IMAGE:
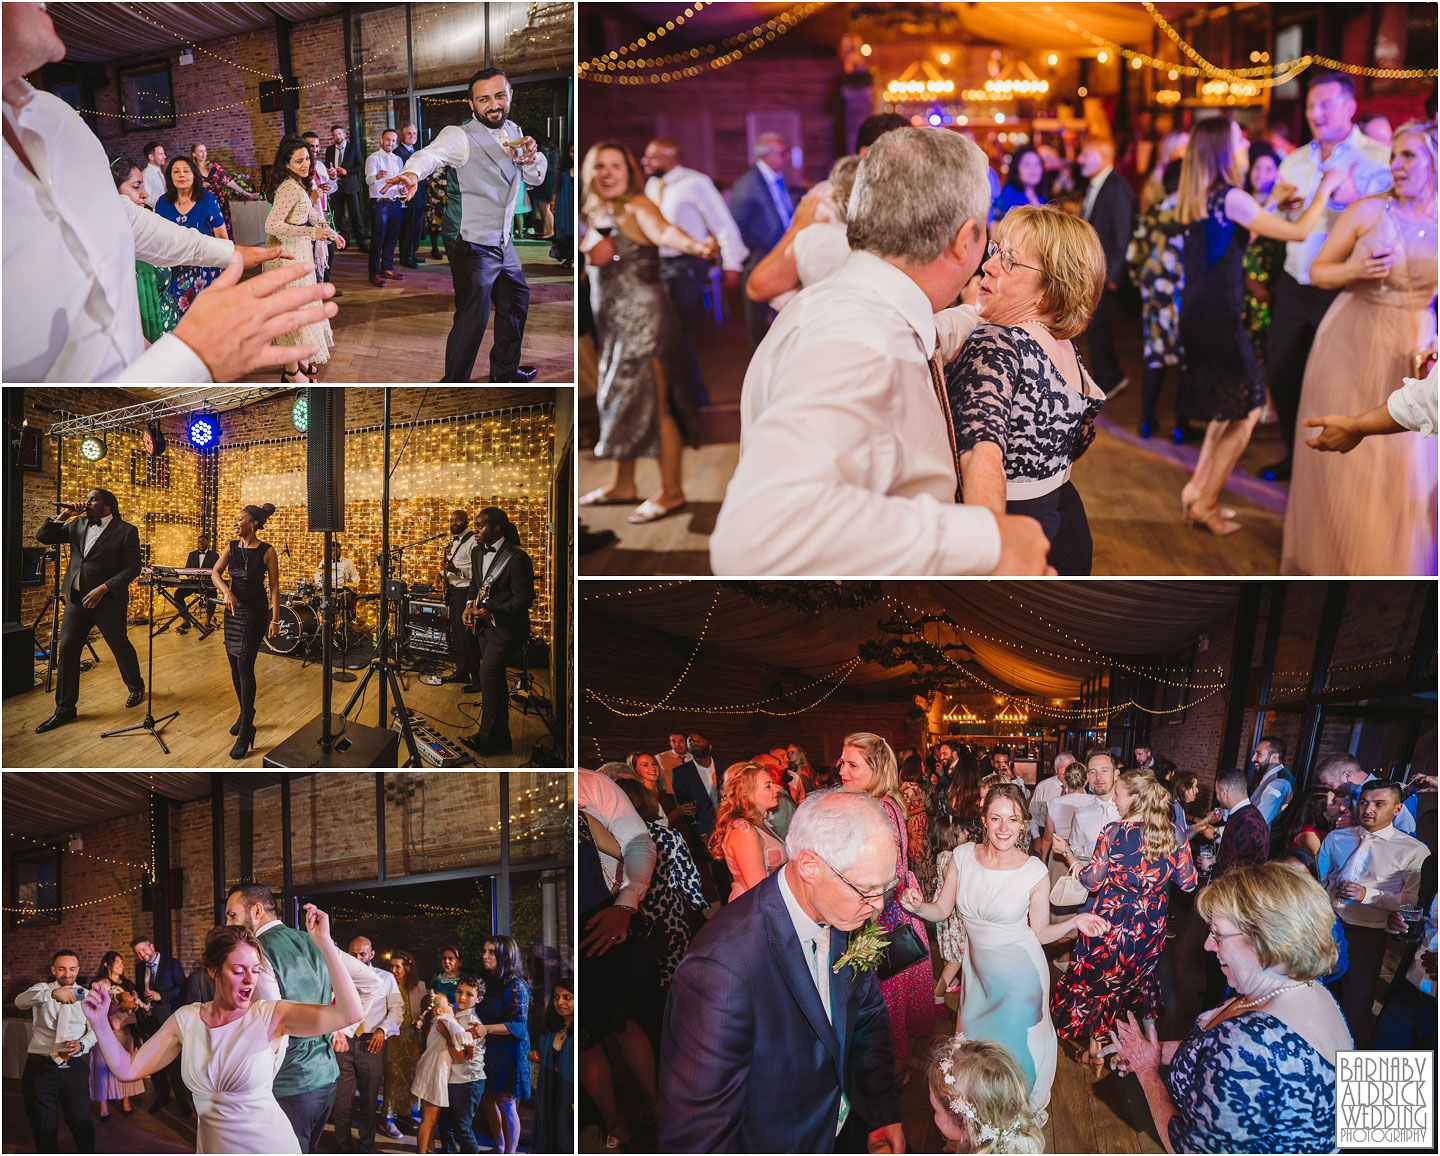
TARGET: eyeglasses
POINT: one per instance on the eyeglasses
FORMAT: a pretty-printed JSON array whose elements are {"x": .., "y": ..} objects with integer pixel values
[
  {"x": 1217, "y": 936},
  {"x": 867, "y": 896},
  {"x": 1007, "y": 259}
]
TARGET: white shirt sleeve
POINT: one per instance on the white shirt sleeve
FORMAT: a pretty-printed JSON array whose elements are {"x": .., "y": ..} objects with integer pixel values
[
  {"x": 154, "y": 183},
  {"x": 604, "y": 801},
  {"x": 169, "y": 359},
  {"x": 394, "y": 1007},
  {"x": 449, "y": 149},
  {"x": 721, "y": 224},
  {"x": 1414, "y": 404},
  {"x": 164, "y": 243},
  {"x": 327, "y": 183},
  {"x": 534, "y": 172},
  {"x": 375, "y": 175}
]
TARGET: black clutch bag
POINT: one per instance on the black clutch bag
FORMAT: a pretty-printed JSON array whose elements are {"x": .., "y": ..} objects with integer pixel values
[{"x": 906, "y": 949}]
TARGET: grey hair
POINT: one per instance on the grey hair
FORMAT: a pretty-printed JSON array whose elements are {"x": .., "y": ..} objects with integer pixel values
[
  {"x": 615, "y": 771},
  {"x": 914, "y": 189},
  {"x": 842, "y": 181},
  {"x": 763, "y": 141},
  {"x": 833, "y": 825}
]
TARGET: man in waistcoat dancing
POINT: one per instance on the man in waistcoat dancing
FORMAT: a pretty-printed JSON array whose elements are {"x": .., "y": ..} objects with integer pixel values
[{"x": 493, "y": 160}]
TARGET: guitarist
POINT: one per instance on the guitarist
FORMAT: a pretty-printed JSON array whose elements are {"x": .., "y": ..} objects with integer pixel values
[{"x": 502, "y": 587}]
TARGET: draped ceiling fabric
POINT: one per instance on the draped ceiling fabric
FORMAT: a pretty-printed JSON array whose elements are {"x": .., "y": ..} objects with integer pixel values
[
  {"x": 103, "y": 32},
  {"x": 1124, "y": 619},
  {"x": 43, "y": 805}
]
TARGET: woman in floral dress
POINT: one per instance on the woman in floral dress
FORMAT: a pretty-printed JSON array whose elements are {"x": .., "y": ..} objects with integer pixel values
[
  {"x": 218, "y": 183},
  {"x": 1133, "y": 863}
]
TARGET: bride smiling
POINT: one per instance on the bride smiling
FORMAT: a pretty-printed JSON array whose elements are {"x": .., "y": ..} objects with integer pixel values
[{"x": 231, "y": 1046}]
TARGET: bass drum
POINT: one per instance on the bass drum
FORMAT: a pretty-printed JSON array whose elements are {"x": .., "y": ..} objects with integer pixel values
[{"x": 299, "y": 625}]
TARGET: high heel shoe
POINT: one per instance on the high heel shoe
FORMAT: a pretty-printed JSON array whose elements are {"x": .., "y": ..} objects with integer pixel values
[
  {"x": 243, "y": 744},
  {"x": 235, "y": 730},
  {"x": 1186, "y": 503},
  {"x": 1216, "y": 522}
]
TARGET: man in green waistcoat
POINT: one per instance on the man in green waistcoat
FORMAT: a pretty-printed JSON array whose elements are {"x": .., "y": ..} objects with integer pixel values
[{"x": 294, "y": 969}]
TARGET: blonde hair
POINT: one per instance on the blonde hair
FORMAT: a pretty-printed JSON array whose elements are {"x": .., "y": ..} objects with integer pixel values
[
  {"x": 1209, "y": 158},
  {"x": 634, "y": 184},
  {"x": 880, "y": 759},
  {"x": 737, "y": 803},
  {"x": 1425, "y": 130},
  {"x": 1285, "y": 914},
  {"x": 983, "y": 1092},
  {"x": 1075, "y": 774},
  {"x": 1152, "y": 806},
  {"x": 1071, "y": 260}
]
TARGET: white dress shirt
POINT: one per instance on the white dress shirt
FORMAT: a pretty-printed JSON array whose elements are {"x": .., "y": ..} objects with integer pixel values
[
  {"x": 1272, "y": 795},
  {"x": 51, "y": 1020},
  {"x": 710, "y": 776},
  {"x": 1386, "y": 864},
  {"x": 1086, "y": 824},
  {"x": 473, "y": 1070},
  {"x": 820, "y": 249},
  {"x": 380, "y": 166},
  {"x": 78, "y": 317},
  {"x": 93, "y": 531},
  {"x": 841, "y": 427},
  {"x": 367, "y": 979},
  {"x": 327, "y": 183},
  {"x": 384, "y": 1010},
  {"x": 1303, "y": 169},
  {"x": 451, "y": 148},
  {"x": 689, "y": 198},
  {"x": 1415, "y": 403},
  {"x": 604, "y": 801},
  {"x": 1046, "y": 791},
  {"x": 459, "y": 553},
  {"x": 341, "y": 573},
  {"x": 154, "y": 178}
]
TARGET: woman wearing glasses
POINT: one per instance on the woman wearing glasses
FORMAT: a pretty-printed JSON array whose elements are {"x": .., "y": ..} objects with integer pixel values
[
  {"x": 1022, "y": 404},
  {"x": 1003, "y": 897},
  {"x": 867, "y": 766}
]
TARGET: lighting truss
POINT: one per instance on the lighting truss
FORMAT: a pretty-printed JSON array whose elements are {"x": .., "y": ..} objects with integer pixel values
[{"x": 182, "y": 401}]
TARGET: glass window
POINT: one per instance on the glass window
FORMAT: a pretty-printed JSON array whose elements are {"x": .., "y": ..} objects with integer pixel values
[
  {"x": 378, "y": 46},
  {"x": 35, "y": 888},
  {"x": 1377, "y": 633},
  {"x": 540, "y": 816},
  {"x": 529, "y": 37},
  {"x": 449, "y": 45}
]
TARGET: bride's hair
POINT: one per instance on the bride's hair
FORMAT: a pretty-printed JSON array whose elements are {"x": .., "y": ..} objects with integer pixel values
[{"x": 221, "y": 941}]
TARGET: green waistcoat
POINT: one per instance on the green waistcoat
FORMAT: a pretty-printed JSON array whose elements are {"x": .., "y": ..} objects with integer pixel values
[{"x": 303, "y": 977}]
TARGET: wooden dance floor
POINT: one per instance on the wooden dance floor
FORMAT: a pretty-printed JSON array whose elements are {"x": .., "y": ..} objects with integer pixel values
[
  {"x": 192, "y": 676},
  {"x": 397, "y": 334}
]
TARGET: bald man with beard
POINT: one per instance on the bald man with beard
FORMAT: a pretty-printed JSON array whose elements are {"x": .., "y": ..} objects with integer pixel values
[{"x": 360, "y": 1052}]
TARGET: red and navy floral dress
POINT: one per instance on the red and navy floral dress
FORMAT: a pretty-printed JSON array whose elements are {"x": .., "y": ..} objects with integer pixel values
[{"x": 1115, "y": 973}]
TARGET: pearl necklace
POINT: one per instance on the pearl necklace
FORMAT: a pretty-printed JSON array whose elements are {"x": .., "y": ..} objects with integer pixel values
[
  {"x": 1036, "y": 321},
  {"x": 1250, "y": 1003}
]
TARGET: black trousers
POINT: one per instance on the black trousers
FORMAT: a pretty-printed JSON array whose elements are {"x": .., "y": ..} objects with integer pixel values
[
  {"x": 464, "y": 649},
  {"x": 1356, "y": 988},
  {"x": 307, "y": 1113},
  {"x": 109, "y": 616},
  {"x": 483, "y": 274},
  {"x": 1104, "y": 361},
  {"x": 50, "y": 1090},
  {"x": 412, "y": 226},
  {"x": 1294, "y": 317},
  {"x": 361, "y": 1069},
  {"x": 384, "y": 235},
  {"x": 686, "y": 278},
  {"x": 758, "y": 314},
  {"x": 1061, "y": 515},
  {"x": 349, "y": 221},
  {"x": 497, "y": 649}
]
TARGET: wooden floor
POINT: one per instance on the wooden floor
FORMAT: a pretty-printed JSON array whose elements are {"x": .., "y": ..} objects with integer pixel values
[
  {"x": 1130, "y": 486},
  {"x": 397, "y": 334},
  {"x": 192, "y": 675}
]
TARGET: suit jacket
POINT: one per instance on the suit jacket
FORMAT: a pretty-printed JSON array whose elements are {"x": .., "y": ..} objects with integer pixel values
[
  {"x": 755, "y": 213},
  {"x": 751, "y": 1062},
  {"x": 169, "y": 983},
  {"x": 197, "y": 559},
  {"x": 347, "y": 158},
  {"x": 114, "y": 559},
  {"x": 1113, "y": 216},
  {"x": 511, "y": 592},
  {"x": 689, "y": 787}
]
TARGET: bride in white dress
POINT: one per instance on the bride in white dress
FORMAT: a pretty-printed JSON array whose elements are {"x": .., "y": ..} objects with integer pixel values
[
  {"x": 1003, "y": 897},
  {"x": 231, "y": 1047}
]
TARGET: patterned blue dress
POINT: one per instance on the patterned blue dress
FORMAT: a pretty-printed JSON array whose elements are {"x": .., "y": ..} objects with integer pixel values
[
  {"x": 186, "y": 281},
  {"x": 507, "y": 1066},
  {"x": 1251, "y": 1084}
]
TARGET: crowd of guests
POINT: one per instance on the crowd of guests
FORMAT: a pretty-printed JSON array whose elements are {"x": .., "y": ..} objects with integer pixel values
[
  {"x": 449, "y": 1060},
  {"x": 1299, "y": 280},
  {"x": 689, "y": 868}
]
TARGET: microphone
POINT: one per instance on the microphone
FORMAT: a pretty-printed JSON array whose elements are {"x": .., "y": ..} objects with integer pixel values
[{"x": 286, "y": 551}]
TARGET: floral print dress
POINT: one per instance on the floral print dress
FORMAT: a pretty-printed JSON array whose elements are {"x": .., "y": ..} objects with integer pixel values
[
  {"x": 216, "y": 183},
  {"x": 1156, "y": 260},
  {"x": 1115, "y": 972},
  {"x": 910, "y": 995}
]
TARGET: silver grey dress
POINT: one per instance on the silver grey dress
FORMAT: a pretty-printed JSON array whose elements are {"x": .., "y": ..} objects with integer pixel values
[{"x": 637, "y": 328}]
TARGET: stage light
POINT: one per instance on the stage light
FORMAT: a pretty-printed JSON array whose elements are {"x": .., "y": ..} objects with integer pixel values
[
  {"x": 92, "y": 448},
  {"x": 154, "y": 439},
  {"x": 204, "y": 430},
  {"x": 300, "y": 415},
  {"x": 1103, "y": 57},
  {"x": 935, "y": 120}
]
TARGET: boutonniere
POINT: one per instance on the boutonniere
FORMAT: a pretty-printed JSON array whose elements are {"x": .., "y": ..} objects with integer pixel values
[{"x": 867, "y": 947}]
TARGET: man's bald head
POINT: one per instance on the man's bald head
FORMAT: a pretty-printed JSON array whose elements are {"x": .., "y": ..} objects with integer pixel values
[
  {"x": 360, "y": 948},
  {"x": 661, "y": 155}
]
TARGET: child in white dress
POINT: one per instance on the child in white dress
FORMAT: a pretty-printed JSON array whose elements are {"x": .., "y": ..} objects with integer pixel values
[{"x": 446, "y": 1043}]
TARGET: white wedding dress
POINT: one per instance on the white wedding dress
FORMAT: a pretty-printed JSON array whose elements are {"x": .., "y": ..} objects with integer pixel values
[{"x": 229, "y": 1070}]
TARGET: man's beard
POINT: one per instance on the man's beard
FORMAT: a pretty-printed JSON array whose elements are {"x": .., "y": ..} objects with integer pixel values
[{"x": 494, "y": 119}]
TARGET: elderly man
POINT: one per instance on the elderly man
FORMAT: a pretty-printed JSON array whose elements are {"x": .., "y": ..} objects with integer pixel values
[
  {"x": 766, "y": 1046},
  {"x": 360, "y": 1053},
  {"x": 412, "y": 221},
  {"x": 1344, "y": 775},
  {"x": 57, "y": 1075},
  {"x": 844, "y": 419},
  {"x": 1047, "y": 790},
  {"x": 762, "y": 208}
]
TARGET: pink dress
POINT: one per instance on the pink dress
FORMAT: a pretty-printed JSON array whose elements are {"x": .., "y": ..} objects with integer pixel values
[
  {"x": 910, "y": 995},
  {"x": 774, "y": 852}
]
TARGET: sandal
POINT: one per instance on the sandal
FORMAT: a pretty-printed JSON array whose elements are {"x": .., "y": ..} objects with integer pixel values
[
  {"x": 308, "y": 368},
  {"x": 652, "y": 511},
  {"x": 603, "y": 497}
]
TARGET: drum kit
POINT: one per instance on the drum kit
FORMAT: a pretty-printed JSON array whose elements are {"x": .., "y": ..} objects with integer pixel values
[{"x": 302, "y": 618}]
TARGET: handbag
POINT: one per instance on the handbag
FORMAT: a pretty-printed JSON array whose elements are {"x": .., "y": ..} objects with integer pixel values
[
  {"x": 906, "y": 949},
  {"x": 1068, "y": 892}
]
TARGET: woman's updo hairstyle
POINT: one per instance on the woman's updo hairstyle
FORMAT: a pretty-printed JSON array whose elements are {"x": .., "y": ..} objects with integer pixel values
[
  {"x": 260, "y": 514},
  {"x": 221, "y": 941}
]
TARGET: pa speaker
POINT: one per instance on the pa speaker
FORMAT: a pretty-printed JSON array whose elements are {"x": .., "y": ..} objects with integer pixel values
[{"x": 325, "y": 458}]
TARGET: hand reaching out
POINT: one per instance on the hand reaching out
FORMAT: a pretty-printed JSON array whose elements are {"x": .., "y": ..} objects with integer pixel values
[
  {"x": 317, "y": 923},
  {"x": 911, "y": 898},
  {"x": 1088, "y": 924},
  {"x": 96, "y": 1005}
]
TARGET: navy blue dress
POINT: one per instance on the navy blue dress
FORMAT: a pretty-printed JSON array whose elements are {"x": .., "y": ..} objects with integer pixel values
[{"x": 507, "y": 1064}]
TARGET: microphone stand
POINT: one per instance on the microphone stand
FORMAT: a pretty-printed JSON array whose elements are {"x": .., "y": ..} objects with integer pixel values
[{"x": 151, "y": 723}]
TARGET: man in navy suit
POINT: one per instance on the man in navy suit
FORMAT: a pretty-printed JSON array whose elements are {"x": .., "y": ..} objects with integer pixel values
[
  {"x": 697, "y": 781},
  {"x": 761, "y": 206},
  {"x": 160, "y": 981},
  {"x": 765, "y": 1047}
]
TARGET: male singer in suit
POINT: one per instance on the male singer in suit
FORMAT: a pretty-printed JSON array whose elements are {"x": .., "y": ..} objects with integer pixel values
[
  {"x": 412, "y": 220},
  {"x": 104, "y": 560},
  {"x": 761, "y": 206},
  {"x": 492, "y": 159},
  {"x": 502, "y": 587},
  {"x": 343, "y": 161},
  {"x": 201, "y": 558},
  {"x": 159, "y": 979},
  {"x": 765, "y": 1047},
  {"x": 1110, "y": 207}
]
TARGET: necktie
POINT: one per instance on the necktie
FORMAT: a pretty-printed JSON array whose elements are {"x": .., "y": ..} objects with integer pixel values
[
  {"x": 819, "y": 972},
  {"x": 782, "y": 201},
  {"x": 937, "y": 382},
  {"x": 1354, "y": 867}
]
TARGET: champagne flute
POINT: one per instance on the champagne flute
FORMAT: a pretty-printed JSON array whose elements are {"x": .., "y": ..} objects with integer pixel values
[{"x": 1384, "y": 238}]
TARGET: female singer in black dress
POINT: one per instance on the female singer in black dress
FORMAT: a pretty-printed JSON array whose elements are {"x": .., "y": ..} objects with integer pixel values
[{"x": 248, "y": 560}]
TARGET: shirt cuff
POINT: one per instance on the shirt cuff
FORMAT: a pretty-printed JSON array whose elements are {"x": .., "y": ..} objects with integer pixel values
[{"x": 169, "y": 359}]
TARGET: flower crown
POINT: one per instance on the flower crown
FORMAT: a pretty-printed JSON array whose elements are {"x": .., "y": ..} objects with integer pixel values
[{"x": 959, "y": 1106}]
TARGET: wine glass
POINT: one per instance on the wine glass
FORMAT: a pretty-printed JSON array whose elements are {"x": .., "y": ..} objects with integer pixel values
[{"x": 1385, "y": 238}]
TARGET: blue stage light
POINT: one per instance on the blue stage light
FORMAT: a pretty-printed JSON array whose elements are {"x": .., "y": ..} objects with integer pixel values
[{"x": 204, "y": 430}]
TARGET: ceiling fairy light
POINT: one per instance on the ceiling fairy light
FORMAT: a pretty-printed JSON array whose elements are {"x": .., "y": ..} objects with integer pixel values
[
  {"x": 93, "y": 448},
  {"x": 204, "y": 430}
]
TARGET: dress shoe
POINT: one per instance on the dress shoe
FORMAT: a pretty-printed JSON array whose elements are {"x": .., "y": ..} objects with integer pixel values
[
  {"x": 471, "y": 688},
  {"x": 410, "y": 264},
  {"x": 455, "y": 678},
  {"x": 1279, "y": 472},
  {"x": 136, "y": 697},
  {"x": 592, "y": 540},
  {"x": 377, "y": 282},
  {"x": 417, "y": 261},
  {"x": 492, "y": 747},
  {"x": 391, "y": 275},
  {"x": 243, "y": 744},
  {"x": 388, "y": 1127}
]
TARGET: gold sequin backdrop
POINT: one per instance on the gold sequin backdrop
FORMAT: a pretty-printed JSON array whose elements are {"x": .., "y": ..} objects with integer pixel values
[{"x": 501, "y": 458}]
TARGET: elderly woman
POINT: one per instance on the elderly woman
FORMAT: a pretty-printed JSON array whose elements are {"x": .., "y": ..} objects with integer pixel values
[
  {"x": 1257, "y": 1074},
  {"x": 1023, "y": 406}
]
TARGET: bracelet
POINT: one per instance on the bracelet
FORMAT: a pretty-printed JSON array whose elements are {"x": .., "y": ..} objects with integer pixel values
[{"x": 625, "y": 907}]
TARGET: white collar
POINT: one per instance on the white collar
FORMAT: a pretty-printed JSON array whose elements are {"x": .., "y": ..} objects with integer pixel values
[
  {"x": 766, "y": 171},
  {"x": 264, "y": 927},
  {"x": 1347, "y": 141},
  {"x": 805, "y": 927},
  {"x": 891, "y": 283},
  {"x": 1245, "y": 802},
  {"x": 101, "y": 524},
  {"x": 1099, "y": 178}
]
